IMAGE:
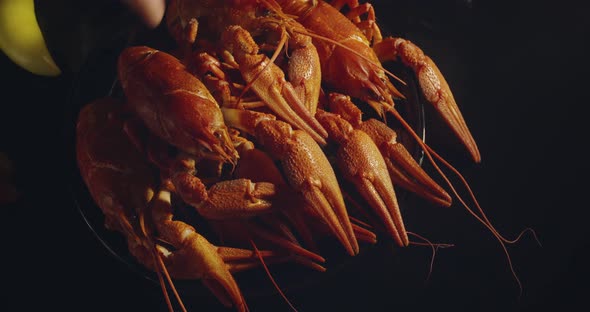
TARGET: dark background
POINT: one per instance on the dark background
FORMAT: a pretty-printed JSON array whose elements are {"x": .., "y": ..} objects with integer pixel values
[{"x": 517, "y": 71}]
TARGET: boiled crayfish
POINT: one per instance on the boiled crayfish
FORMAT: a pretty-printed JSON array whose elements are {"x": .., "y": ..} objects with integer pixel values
[{"x": 252, "y": 120}]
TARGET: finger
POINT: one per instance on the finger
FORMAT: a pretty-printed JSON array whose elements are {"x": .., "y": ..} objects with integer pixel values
[{"x": 150, "y": 12}]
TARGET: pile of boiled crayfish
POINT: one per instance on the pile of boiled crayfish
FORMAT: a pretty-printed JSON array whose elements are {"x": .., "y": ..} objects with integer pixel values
[{"x": 252, "y": 120}]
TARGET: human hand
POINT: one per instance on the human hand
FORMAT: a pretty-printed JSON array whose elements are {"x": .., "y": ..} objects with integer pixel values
[{"x": 150, "y": 12}]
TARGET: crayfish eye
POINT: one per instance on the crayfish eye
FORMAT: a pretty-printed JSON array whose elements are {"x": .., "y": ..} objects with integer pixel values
[{"x": 144, "y": 55}]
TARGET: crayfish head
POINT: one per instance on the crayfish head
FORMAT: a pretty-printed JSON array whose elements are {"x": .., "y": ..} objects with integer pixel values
[
  {"x": 362, "y": 78},
  {"x": 219, "y": 146}
]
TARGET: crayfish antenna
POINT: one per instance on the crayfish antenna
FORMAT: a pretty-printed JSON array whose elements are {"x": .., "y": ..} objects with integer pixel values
[
  {"x": 429, "y": 152},
  {"x": 161, "y": 281},
  {"x": 159, "y": 266},
  {"x": 292, "y": 247},
  {"x": 270, "y": 275},
  {"x": 472, "y": 195},
  {"x": 170, "y": 282},
  {"x": 434, "y": 248}
]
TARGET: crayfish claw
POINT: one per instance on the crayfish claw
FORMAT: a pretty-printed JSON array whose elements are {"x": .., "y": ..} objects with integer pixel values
[
  {"x": 403, "y": 168},
  {"x": 224, "y": 287},
  {"x": 328, "y": 204},
  {"x": 433, "y": 84},
  {"x": 309, "y": 172},
  {"x": 361, "y": 163},
  {"x": 381, "y": 196},
  {"x": 406, "y": 172},
  {"x": 269, "y": 83},
  {"x": 240, "y": 198}
]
